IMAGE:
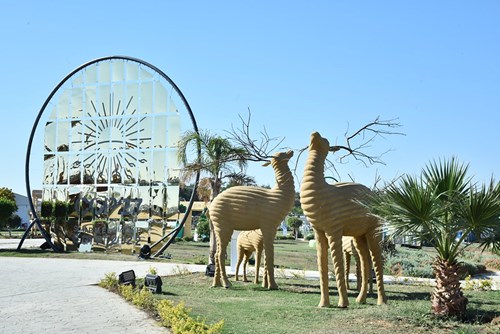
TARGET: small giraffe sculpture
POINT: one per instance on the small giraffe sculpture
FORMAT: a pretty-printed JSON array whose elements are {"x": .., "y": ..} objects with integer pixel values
[
  {"x": 249, "y": 208},
  {"x": 349, "y": 252},
  {"x": 247, "y": 243},
  {"x": 333, "y": 211}
]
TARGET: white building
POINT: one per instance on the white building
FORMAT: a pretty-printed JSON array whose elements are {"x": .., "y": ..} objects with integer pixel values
[{"x": 23, "y": 209}]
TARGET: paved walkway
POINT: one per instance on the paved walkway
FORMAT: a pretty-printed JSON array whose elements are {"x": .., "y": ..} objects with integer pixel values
[{"x": 42, "y": 295}]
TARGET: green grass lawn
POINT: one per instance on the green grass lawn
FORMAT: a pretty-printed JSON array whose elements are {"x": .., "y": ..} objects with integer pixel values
[{"x": 247, "y": 308}]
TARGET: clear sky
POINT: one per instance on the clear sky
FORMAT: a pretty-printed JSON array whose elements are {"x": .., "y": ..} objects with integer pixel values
[{"x": 299, "y": 66}]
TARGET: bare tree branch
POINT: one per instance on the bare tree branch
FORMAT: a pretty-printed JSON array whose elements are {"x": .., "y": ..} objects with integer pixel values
[
  {"x": 368, "y": 133},
  {"x": 357, "y": 149},
  {"x": 258, "y": 150}
]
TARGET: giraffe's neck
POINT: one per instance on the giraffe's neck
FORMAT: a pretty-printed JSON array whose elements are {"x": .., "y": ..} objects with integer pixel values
[
  {"x": 284, "y": 177},
  {"x": 314, "y": 172}
]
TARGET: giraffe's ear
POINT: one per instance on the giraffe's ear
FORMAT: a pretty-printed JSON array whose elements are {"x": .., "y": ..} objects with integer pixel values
[{"x": 267, "y": 163}]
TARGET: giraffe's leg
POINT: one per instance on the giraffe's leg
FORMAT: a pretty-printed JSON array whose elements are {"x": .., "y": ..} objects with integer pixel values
[
  {"x": 358, "y": 272},
  {"x": 265, "y": 277},
  {"x": 245, "y": 267},
  {"x": 374, "y": 240},
  {"x": 222, "y": 242},
  {"x": 322, "y": 258},
  {"x": 240, "y": 259},
  {"x": 217, "y": 275},
  {"x": 363, "y": 255},
  {"x": 269, "y": 253},
  {"x": 335, "y": 241},
  {"x": 370, "y": 277},
  {"x": 258, "y": 255},
  {"x": 347, "y": 258}
]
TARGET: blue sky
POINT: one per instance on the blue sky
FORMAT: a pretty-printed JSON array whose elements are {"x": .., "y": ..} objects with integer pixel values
[{"x": 298, "y": 66}]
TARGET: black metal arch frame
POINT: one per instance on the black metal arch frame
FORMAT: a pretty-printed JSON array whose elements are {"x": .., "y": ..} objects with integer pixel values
[{"x": 36, "y": 220}]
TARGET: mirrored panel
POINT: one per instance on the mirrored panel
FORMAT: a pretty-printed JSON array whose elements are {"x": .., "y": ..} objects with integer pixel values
[{"x": 110, "y": 137}]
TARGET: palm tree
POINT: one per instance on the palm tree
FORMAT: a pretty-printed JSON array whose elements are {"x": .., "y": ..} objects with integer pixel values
[
  {"x": 218, "y": 159},
  {"x": 442, "y": 206}
]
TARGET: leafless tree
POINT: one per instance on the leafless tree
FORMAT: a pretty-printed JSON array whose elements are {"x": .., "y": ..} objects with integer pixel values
[{"x": 358, "y": 143}]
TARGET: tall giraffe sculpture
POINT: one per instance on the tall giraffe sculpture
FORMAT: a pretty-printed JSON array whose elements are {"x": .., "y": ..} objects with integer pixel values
[
  {"x": 249, "y": 208},
  {"x": 333, "y": 211}
]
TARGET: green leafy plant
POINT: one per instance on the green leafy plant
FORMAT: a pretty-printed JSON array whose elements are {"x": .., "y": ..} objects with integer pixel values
[
  {"x": 203, "y": 228},
  {"x": 47, "y": 209},
  {"x": 144, "y": 299},
  {"x": 442, "y": 206},
  {"x": 294, "y": 223},
  {"x": 478, "y": 285},
  {"x": 127, "y": 292},
  {"x": 110, "y": 282},
  {"x": 60, "y": 209},
  {"x": 178, "y": 318}
]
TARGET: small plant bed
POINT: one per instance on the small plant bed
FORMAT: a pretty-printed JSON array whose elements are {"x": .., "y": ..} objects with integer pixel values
[
  {"x": 248, "y": 308},
  {"x": 412, "y": 262},
  {"x": 174, "y": 316}
]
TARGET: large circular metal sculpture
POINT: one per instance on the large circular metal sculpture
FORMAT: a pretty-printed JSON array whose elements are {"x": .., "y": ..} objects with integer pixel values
[{"x": 111, "y": 129}]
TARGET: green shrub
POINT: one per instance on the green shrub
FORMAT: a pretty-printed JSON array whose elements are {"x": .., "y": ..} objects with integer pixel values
[
  {"x": 418, "y": 263},
  {"x": 309, "y": 236},
  {"x": 127, "y": 292},
  {"x": 60, "y": 209},
  {"x": 47, "y": 209},
  {"x": 173, "y": 316},
  {"x": 177, "y": 317},
  {"x": 408, "y": 262},
  {"x": 109, "y": 282},
  {"x": 470, "y": 269},
  {"x": 203, "y": 229},
  {"x": 478, "y": 285},
  {"x": 188, "y": 238},
  {"x": 144, "y": 299},
  {"x": 285, "y": 237}
]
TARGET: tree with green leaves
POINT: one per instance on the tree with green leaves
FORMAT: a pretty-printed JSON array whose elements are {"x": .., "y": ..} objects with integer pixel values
[
  {"x": 219, "y": 159},
  {"x": 442, "y": 206},
  {"x": 294, "y": 223},
  {"x": 7, "y": 193},
  {"x": 7, "y": 206},
  {"x": 223, "y": 158}
]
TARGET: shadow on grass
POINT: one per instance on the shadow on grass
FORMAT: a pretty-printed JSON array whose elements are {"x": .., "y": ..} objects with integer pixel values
[{"x": 304, "y": 288}]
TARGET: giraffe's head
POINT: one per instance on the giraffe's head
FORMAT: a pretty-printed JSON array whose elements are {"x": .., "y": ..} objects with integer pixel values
[
  {"x": 319, "y": 143},
  {"x": 279, "y": 156}
]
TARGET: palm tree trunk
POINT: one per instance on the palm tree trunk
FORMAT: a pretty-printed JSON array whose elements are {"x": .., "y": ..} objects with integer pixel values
[{"x": 447, "y": 297}]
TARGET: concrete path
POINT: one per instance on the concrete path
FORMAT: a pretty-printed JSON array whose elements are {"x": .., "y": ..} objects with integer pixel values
[{"x": 40, "y": 295}]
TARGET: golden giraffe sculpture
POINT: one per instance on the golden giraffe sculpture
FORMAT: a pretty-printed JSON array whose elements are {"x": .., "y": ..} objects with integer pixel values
[
  {"x": 350, "y": 251},
  {"x": 333, "y": 211},
  {"x": 249, "y": 208},
  {"x": 247, "y": 243}
]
